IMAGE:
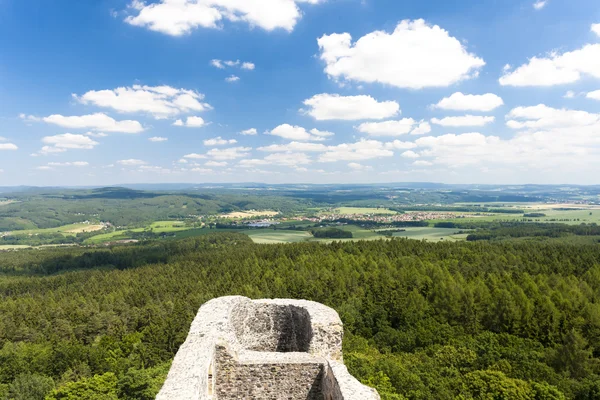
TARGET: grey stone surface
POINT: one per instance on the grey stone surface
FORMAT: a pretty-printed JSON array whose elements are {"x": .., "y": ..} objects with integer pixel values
[{"x": 263, "y": 349}]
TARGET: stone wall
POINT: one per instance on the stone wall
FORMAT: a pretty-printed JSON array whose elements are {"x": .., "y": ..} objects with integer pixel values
[
  {"x": 290, "y": 381},
  {"x": 239, "y": 348}
]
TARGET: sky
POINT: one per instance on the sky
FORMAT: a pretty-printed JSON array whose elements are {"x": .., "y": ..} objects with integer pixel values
[{"x": 109, "y": 92}]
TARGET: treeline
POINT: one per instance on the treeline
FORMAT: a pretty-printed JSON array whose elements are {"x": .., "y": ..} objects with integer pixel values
[
  {"x": 535, "y": 230},
  {"x": 448, "y": 321},
  {"x": 331, "y": 233},
  {"x": 474, "y": 209}
]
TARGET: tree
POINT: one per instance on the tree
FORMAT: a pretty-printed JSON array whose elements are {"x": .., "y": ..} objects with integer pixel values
[
  {"x": 30, "y": 387},
  {"x": 99, "y": 387}
]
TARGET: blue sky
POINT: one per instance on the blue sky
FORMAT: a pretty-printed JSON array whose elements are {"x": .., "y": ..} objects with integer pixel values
[{"x": 299, "y": 91}]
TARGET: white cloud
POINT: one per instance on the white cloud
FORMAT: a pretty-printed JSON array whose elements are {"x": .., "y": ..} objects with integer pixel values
[
  {"x": 159, "y": 101},
  {"x": 228, "y": 154},
  {"x": 359, "y": 167},
  {"x": 216, "y": 164},
  {"x": 252, "y": 162},
  {"x": 43, "y": 168},
  {"x": 195, "y": 156},
  {"x": 539, "y": 4},
  {"x": 389, "y": 128},
  {"x": 288, "y": 159},
  {"x": 422, "y": 129},
  {"x": 556, "y": 69},
  {"x": 596, "y": 29},
  {"x": 232, "y": 79},
  {"x": 409, "y": 154},
  {"x": 155, "y": 169},
  {"x": 219, "y": 141},
  {"x": 202, "y": 170},
  {"x": 333, "y": 106},
  {"x": 191, "y": 122},
  {"x": 298, "y": 133},
  {"x": 467, "y": 120},
  {"x": 595, "y": 95},
  {"x": 157, "y": 139},
  {"x": 217, "y": 64},
  {"x": 8, "y": 146},
  {"x": 399, "y": 145},
  {"x": 470, "y": 102},
  {"x": 422, "y": 163},
  {"x": 362, "y": 150},
  {"x": 294, "y": 147},
  {"x": 544, "y": 117},
  {"x": 97, "y": 122},
  {"x": 569, "y": 95},
  {"x": 69, "y": 164},
  {"x": 249, "y": 132},
  {"x": 131, "y": 162},
  {"x": 415, "y": 55},
  {"x": 64, "y": 142},
  {"x": 180, "y": 17},
  {"x": 248, "y": 65}
]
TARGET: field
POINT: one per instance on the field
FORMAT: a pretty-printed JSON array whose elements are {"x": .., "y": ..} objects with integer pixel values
[
  {"x": 360, "y": 210},
  {"x": 71, "y": 229},
  {"x": 249, "y": 214},
  {"x": 155, "y": 227},
  {"x": 272, "y": 236},
  {"x": 431, "y": 234}
]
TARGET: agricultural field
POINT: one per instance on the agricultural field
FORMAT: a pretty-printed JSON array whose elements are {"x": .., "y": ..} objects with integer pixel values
[
  {"x": 268, "y": 236},
  {"x": 155, "y": 227},
  {"x": 361, "y": 211},
  {"x": 431, "y": 234},
  {"x": 71, "y": 229},
  {"x": 249, "y": 214}
]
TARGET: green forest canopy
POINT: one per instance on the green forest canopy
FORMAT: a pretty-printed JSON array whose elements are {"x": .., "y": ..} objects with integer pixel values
[{"x": 423, "y": 320}]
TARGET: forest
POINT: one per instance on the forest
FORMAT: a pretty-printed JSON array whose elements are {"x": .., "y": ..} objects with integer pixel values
[{"x": 464, "y": 320}]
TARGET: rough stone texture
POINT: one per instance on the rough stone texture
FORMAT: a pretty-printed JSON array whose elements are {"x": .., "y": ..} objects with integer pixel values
[{"x": 263, "y": 349}]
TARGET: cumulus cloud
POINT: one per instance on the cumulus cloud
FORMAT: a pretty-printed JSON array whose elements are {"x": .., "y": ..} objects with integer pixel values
[
  {"x": 216, "y": 164},
  {"x": 157, "y": 139},
  {"x": 556, "y": 68},
  {"x": 248, "y": 65},
  {"x": 195, "y": 156},
  {"x": 64, "y": 142},
  {"x": 232, "y": 79},
  {"x": 395, "y": 128},
  {"x": 467, "y": 120},
  {"x": 415, "y": 55},
  {"x": 8, "y": 146},
  {"x": 249, "y": 132},
  {"x": 298, "y": 133},
  {"x": 539, "y": 4},
  {"x": 359, "y": 167},
  {"x": 595, "y": 95},
  {"x": 228, "y": 154},
  {"x": 219, "y": 141},
  {"x": 294, "y": 147},
  {"x": 180, "y": 17},
  {"x": 69, "y": 164},
  {"x": 158, "y": 101},
  {"x": 544, "y": 117},
  {"x": 131, "y": 162},
  {"x": 362, "y": 150},
  {"x": 470, "y": 102},
  {"x": 569, "y": 95},
  {"x": 596, "y": 29},
  {"x": 409, "y": 154},
  {"x": 96, "y": 122},
  {"x": 335, "y": 107},
  {"x": 191, "y": 122},
  {"x": 223, "y": 64},
  {"x": 400, "y": 145},
  {"x": 288, "y": 159}
]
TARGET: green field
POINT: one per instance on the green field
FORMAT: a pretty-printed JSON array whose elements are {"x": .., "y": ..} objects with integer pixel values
[
  {"x": 431, "y": 234},
  {"x": 571, "y": 217},
  {"x": 156, "y": 227},
  {"x": 67, "y": 230}
]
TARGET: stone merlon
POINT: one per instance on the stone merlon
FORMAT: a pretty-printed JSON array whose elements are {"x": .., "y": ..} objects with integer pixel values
[{"x": 239, "y": 348}]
